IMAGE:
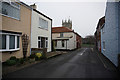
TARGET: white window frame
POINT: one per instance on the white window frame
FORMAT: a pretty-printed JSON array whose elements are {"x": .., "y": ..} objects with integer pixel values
[
  {"x": 7, "y": 42},
  {"x": 39, "y": 26},
  {"x": 12, "y": 6},
  {"x": 40, "y": 42},
  {"x": 46, "y": 41},
  {"x": 103, "y": 45}
]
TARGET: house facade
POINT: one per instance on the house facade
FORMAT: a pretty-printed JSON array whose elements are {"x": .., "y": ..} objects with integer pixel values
[
  {"x": 110, "y": 33},
  {"x": 65, "y": 38},
  {"x": 98, "y": 33},
  {"x": 41, "y": 30},
  {"x": 16, "y": 21}
]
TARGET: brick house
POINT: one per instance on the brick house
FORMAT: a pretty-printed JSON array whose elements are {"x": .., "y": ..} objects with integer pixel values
[
  {"x": 98, "y": 33},
  {"x": 16, "y": 21}
]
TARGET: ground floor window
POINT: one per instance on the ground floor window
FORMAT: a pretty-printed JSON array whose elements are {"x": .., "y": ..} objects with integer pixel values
[
  {"x": 104, "y": 45},
  {"x": 42, "y": 42},
  {"x": 9, "y": 42},
  {"x": 63, "y": 43},
  {"x": 55, "y": 43}
]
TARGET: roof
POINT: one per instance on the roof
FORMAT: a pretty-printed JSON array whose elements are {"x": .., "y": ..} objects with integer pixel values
[
  {"x": 101, "y": 22},
  {"x": 61, "y": 29},
  {"x": 42, "y": 14}
]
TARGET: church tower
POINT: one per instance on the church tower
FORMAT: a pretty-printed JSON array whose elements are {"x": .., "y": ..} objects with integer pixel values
[{"x": 67, "y": 23}]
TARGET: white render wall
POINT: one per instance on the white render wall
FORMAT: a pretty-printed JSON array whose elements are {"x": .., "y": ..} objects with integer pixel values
[
  {"x": 71, "y": 43},
  {"x": 36, "y": 31}
]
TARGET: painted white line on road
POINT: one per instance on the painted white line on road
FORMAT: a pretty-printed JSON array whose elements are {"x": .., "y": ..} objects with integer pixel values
[
  {"x": 83, "y": 52},
  {"x": 92, "y": 49}
]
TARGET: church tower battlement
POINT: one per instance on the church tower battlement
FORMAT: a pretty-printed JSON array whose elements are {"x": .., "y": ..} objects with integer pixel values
[{"x": 67, "y": 23}]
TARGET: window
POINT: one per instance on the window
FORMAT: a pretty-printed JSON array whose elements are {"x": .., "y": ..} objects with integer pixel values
[
  {"x": 55, "y": 43},
  {"x": 43, "y": 23},
  {"x": 103, "y": 45},
  {"x": 9, "y": 42},
  {"x": 39, "y": 42},
  {"x": 11, "y": 9},
  {"x": 61, "y": 34},
  {"x": 3, "y": 41},
  {"x": 42, "y": 42},
  {"x": 12, "y": 42},
  {"x": 46, "y": 43},
  {"x": 63, "y": 45},
  {"x": 18, "y": 42}
]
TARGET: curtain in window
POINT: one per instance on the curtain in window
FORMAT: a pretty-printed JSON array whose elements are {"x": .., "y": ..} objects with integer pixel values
[{"x": 12, "y": 42}]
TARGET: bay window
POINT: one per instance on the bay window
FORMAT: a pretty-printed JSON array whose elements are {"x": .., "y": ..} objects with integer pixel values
[{"x": 9, "y": 42}]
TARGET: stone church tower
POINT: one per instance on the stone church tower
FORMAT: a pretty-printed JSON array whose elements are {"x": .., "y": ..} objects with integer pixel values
[{"x": 67, "y": 24}]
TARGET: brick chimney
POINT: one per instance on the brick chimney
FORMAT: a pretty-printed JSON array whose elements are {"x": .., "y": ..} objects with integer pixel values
[{"x": 34, "y": 6}]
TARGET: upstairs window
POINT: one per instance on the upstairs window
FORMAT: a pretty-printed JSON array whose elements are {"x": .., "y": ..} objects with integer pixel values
[
  {"x": 43, "y": 23},
  {"x": 10, "y": 9},
  {"x": 61, "y": 34}
]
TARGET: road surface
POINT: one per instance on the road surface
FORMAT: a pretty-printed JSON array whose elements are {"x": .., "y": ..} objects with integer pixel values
[{"x": 82, "y": 63}]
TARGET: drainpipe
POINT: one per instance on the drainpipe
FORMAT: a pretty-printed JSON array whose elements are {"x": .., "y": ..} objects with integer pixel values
[{"x": 31, "y": 30}]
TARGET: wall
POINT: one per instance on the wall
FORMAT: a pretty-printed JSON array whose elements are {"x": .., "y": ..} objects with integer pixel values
[
  {"x": 110, "y": 36},
  {"x": 39, "y": 32},
  {"x": 23, "y": 25}
]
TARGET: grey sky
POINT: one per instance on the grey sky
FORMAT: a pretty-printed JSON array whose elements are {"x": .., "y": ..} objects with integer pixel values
[{"x": 84, "y": 15}]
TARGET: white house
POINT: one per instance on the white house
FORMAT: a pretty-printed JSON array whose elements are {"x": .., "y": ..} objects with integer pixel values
[
  {"x": 64, "y": 38},
  {"x": 40, "y": 30}
]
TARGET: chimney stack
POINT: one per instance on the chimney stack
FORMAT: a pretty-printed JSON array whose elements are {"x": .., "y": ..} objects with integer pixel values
[{"x": 34, "y": 6}]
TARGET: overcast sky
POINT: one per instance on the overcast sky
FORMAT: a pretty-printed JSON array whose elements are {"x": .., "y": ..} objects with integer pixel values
[{"x": 84, "y": 14}]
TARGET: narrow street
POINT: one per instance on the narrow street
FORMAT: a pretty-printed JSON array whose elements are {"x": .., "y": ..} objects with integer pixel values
[{"x": 82, "y": 63}]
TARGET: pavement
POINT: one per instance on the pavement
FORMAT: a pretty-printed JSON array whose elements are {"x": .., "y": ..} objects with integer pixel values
[{"x": 81, "y": 63}]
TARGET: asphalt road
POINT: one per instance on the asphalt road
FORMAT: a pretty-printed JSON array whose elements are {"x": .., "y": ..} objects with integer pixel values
[{"x": 83, "y": 63}]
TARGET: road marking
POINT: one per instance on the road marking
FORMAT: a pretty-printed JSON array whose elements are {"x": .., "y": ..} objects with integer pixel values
[
  {"x": 83, "y": 52},
  {"x": 92, "y": 49}
]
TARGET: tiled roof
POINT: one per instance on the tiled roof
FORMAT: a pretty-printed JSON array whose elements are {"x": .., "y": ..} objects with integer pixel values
[{"x": 61, "y": 29}]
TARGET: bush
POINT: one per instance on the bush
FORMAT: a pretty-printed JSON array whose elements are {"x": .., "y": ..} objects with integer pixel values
[
  {"x": 38, "y": 56},
  {"x": 21, "y": 60},
  {"x": 11, "y": 62},
  {"x": 13, "y": 58},
  {"x": 32, "y": 56}
]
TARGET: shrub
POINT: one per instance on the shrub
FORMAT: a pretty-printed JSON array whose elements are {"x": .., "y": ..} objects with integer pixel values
[
  {"x": 11, "y": 62},
  {"x": 13, "y": 58},
  {"x": 38, "y": 56},
  {"x": 21, "y": 60},
  {"x": 32, "y": 56}
]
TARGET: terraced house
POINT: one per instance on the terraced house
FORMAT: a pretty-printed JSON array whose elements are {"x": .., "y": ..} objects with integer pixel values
[
  {"x": 110, "y": 33},
  {"x": 16, "y": 22},
  {"x": 40, "y": 30}
]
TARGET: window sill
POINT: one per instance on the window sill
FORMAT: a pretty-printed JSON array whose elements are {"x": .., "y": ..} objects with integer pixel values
[
  {"x": 9, "y": 16},
  {"x": 43, "y": 28},
  {"x": 11, "y": 50}
]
